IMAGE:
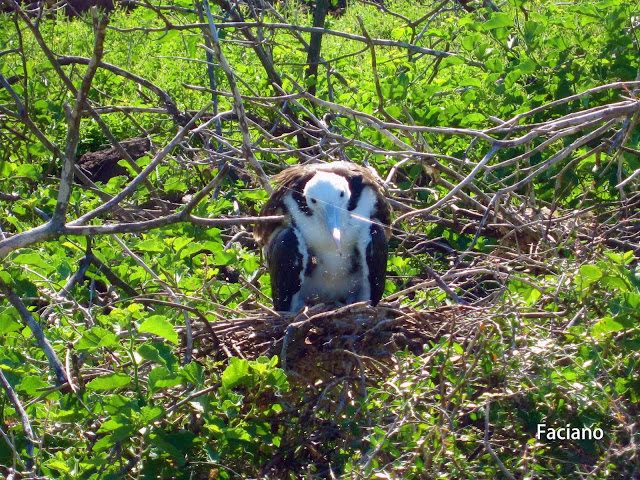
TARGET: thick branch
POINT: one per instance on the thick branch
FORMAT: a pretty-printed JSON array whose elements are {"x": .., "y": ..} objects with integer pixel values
[
  {"x": 73, "y": 135},
  {"x": 315, "y": 44}
]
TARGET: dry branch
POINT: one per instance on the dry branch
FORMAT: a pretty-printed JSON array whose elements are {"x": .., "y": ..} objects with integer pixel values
[
  {"x": 24, "y": 419},
  {"x": 36, "y": 329},
  {"x": 74, "y": 118}
]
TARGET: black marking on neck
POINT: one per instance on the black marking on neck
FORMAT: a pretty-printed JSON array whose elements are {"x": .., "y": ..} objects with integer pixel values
[
  {"x": 301, "y": 200},
  {"x": 356, "y": 186},
  {"x": 312, "y": 263},
  {"x": 355, "y": 261}
]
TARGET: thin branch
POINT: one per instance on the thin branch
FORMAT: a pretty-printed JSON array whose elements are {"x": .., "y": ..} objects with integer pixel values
[
  {"x": 374, "y": 70},
  {"x": 453, "y": 192},
  {"x": 174, "y": 218},
  {"x": 189, "y": 336},
  {"x": 16, "y": 98},
  {"x": 169, "y": 104},
  {"x": 35, "y": 328},
  {"x": 237, "y": 103},
  {"x": 323, "y": 31},
  {"x": 133, "y": 185},
  {"x": 24, "y": 419},
  {"x": 488, "y": 447}
]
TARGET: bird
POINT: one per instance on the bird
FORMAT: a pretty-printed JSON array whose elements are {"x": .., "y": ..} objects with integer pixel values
[{"x": 332, "y": 245}]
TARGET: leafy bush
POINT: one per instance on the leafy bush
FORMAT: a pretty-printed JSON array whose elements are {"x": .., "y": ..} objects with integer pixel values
[{"x": 505, "y": 134}]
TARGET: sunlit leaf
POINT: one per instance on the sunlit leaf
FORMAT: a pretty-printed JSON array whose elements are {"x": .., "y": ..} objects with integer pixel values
[{"x": 159, "y": 325}]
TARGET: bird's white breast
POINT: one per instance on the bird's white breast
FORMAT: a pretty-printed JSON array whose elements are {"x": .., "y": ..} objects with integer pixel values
[{"x": 335, "y": 276}]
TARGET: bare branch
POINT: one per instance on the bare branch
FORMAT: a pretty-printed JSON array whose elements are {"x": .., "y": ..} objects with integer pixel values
[
  {"x": 24, "y": 419},
  {"x": 133, "y": 185},
  {"x": 73, "y": 135},
  {"x": 487, "y": 445},
  {"x": 168, "y": 102},
  {"x": 237, "y": 103},
  {"x": 35, "y": 328}
]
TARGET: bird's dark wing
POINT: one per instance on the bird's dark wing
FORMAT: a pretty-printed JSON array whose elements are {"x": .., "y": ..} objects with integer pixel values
[
  {"x": 377, "y": 251},
  {"x": 285, "y": 262}
]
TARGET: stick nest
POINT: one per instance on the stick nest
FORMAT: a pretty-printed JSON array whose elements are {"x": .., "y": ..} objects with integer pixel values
[{"x": 320, "y": 344}]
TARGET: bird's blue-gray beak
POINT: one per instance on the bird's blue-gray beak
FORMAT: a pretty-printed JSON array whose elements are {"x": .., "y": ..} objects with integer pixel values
[{"x": 333, "y": 219}]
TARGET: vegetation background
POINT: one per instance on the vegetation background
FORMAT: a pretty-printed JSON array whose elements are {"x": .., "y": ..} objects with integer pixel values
[{"x": 132, "y": 296}]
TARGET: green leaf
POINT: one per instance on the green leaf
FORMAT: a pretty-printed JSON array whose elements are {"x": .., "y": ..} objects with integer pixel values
[
  {"x": 225, "y": 257},
  {"x": 32, "y": 385},
  {"x": 238, "y": 434},
  {"x": 109, "y": 382},
  {"x": 160, "y": 326},
  {"x": 498, "y": 20},
  {"x": 6, "y": 169},
  {"x": 194, "y": 373},
  {"x": 27, "y": 169},
  {"x": 58, "y": 465},
  {"x": 532, "y": 30},
  {"x": 118, "y": 404},
  {"x": 469, "y": 42},
  {"x": 97, "y": 337},
  {"x": 172, "y": 444},
  {"x": 170, "y": 35},
  {"x": 166, "y": 353},
  {"x": 149, "y": 14},
  {"x": 29, "y": 259},
  {"x": 196, "y": 247},
  {"x": 151, "y": 245},
  {"x": 614, "y": 257},
  {"x": 160, "y": 378},
  {"x": 148, "y": 414},
  {"x": 181, "y": 242},
  {"x": 494, "y": 64},
  {"x": 605, "y": 326},
  {"x": 527, "y": 66},
  {"x": 470, "y": 82},
  {"x": 125, "y": 164},
  {"x": 452, "y": 60},
  {"x": 400, "y": 33},
  {"x": 511, "y": 78},
  {"x": 472, "y": 119},
  {"x": 111, "y": 425},
  {"x": 236, "y": 373},
  {"x": 588, "y": 274},
  {"x": 150, "y": 353},
  {"x": 175, "y": 186},
  {"x": 9, "y": 321}
]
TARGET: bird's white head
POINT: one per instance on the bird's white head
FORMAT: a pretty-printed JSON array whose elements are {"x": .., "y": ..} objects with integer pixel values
[{"x": 327, "y": 196}]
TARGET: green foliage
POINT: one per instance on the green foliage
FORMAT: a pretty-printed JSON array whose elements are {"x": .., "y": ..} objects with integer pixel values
[{"x": 560, "y": 341}]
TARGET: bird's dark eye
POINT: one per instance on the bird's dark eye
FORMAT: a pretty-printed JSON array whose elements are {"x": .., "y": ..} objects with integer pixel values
[
  {"x": 341, "y": 194},
  {"x": 313, "y": 200}
]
